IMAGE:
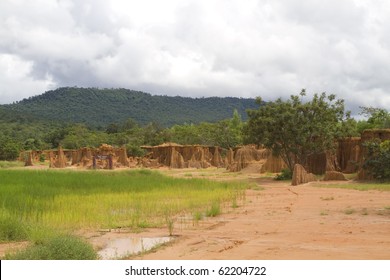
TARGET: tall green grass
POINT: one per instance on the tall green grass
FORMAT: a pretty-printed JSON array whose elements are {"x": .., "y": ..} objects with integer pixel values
[
  {"x": 12, "y": 228},
  {"x": 10, "y": 164},
  {"x": 69, "y": 200}
]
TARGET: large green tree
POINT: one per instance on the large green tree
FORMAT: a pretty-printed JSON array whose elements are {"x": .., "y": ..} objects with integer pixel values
[{"x": 295, "y": 129}]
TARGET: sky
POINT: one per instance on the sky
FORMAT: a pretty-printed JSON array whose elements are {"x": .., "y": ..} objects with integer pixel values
[{"x": 198, "y": 48}]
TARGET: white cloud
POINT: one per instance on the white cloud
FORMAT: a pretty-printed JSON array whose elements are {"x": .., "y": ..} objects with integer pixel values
[
  {"x": 16, "y": 77},
  {"x": 200, "y": 48}
]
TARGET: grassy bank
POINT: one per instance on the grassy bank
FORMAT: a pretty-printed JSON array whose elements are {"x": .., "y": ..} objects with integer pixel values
[{"x": 68, "y": 200}]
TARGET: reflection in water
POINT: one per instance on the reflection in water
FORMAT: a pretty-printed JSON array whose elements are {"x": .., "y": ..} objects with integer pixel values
[{"x": 122, "y": 247}]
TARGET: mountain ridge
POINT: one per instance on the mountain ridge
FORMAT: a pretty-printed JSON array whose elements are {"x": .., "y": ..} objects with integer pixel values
[{"x": 101, "y": 107}]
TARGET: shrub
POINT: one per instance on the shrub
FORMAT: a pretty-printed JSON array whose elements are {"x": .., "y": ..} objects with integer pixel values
[
  {"x": 134, "y": 151},
  {"x": 286, "y": 174},
  {"x": 378, "y": 160},
  {"x": 63, "y": 247},
  {"x": 42, "y": 158}
]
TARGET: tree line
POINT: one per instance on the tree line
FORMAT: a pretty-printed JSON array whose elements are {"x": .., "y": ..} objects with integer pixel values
[
  {"x": 293, "y": 129},
  {"x": 38, "y": 135}
]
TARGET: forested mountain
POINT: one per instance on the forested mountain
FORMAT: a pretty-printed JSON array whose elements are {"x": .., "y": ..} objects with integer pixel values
[
  {"x": 88, "y": 117},
  {"x": 100, "y": 107}
]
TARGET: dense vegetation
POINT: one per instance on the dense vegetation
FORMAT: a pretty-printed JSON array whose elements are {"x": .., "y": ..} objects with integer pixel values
[
  {"x": 290, "y": 127},
  {"x": 38, "y": 135},
  {"x": 100, "y": 107},
  {"x": 378, "y": 159},
  {"x": 295, "y": 129}
]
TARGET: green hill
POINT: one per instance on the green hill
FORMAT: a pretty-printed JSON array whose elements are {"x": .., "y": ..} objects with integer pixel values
[{"x": 100, "y": 107}]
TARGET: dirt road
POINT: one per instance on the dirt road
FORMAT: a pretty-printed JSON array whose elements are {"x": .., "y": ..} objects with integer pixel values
[{"x": 285, "y": 222}]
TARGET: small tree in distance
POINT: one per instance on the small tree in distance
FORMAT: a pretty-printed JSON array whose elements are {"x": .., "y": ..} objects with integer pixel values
[{"x": 294, "y": 129}]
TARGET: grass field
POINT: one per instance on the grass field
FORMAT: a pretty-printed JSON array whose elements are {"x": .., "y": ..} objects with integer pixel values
[
  {"x": 67, "y": 200},
  {"x": 10, "y": 164}
]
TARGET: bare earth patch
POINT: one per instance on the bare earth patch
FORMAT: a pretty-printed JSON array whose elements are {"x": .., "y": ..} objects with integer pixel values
[
  {"x": 11, "y": 247},
  {"x": 286, "y": 222}
]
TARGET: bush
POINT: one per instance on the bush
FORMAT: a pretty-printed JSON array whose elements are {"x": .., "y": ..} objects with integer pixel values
[
  {"x": 134, "y": 151},
  {"x": 9, "y": 151},
  {"x": 42, "y": 158},
  {"x": 378, "y": 160},
  {"x": 57, "y": 248},
  {"x": 12, "y": 229},
  {"x": 286, "y": 174}
]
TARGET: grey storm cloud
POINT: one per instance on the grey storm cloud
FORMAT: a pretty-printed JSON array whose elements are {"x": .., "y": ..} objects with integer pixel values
[{"x": 198, "y": 48}]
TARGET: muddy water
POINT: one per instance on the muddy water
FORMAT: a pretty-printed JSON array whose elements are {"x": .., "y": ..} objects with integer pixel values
[{"x": 122, "y": 247}]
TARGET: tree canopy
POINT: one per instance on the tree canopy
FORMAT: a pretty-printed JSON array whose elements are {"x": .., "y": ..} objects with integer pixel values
[
  {"x": 295, "y": 129},
  {"x": 377, "y": 118},
  {"x": 101, "y": 107},
  {"x": 19, "y": 134}
]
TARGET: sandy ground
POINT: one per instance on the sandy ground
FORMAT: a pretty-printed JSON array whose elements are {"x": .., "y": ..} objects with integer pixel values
[
  {"x": 285, "y": 222},
  {"x": 278, "y": 222}
]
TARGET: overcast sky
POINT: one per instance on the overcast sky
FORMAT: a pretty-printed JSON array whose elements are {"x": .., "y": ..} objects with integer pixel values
[{"x": 198, "y": 48}]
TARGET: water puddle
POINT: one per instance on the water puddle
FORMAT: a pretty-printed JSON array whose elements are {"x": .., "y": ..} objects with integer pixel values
[{"x": 122, "y": 247}]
